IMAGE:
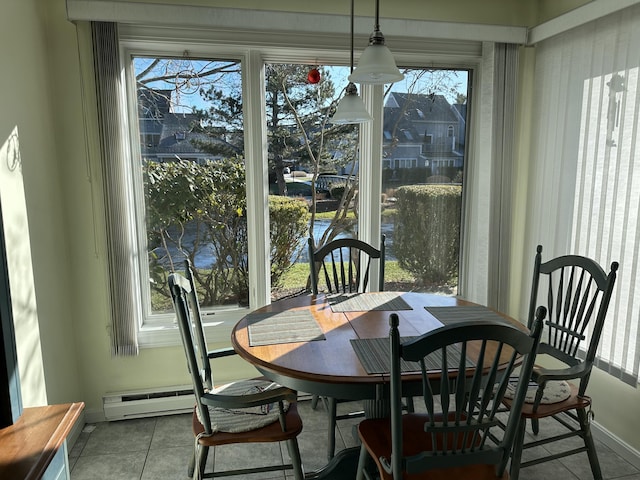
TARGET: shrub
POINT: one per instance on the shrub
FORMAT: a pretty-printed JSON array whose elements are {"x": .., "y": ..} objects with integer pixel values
[
  {"x": 199, "y": 210},
  {"x": 288, "y": 225},
  {"x": 193, "y": 208},
  {"x": 427, "y": 231}
]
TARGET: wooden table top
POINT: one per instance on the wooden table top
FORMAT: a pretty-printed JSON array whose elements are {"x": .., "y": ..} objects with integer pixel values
[
  {"x": 331, "y": 366},
  {"x": 28, "y": 446}
]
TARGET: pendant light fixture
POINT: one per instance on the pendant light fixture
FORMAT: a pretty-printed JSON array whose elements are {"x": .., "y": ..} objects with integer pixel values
[
  {"x": 351, "y": 108},
  {"x": 376, "y": 65}
]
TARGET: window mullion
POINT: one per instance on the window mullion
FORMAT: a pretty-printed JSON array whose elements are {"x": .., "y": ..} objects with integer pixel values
[
  {"x": 370, "y": 169},
  {"x": 253, "y": 81}
]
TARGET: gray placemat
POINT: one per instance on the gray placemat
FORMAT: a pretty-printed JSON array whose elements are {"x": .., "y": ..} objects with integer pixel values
[
  {"x": 363, "y": 302},
  {"x": 283, "y": 327},
  {"x": 453, "y": 314},
  {"x": 373, "y": 354}
]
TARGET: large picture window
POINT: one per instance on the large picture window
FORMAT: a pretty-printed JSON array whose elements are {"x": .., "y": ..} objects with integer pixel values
[
  {"x": 234, "y": 164},
  {"x": 189, "y": 172}
]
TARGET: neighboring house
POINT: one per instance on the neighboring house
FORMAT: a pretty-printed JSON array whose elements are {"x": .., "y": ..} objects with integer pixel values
[
  {"x": 167, "y": 136},
  {"x": 423, "y": 131},
  {"x": 419, "y": 131}
]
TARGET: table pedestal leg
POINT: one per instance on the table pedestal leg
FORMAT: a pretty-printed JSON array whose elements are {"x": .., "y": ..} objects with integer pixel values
[
  {"x": 345, "y": 464},
  {"x": 377, "y": 408}
]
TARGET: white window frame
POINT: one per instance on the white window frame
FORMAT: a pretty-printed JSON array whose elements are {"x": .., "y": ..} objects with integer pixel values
[
  {"x": 140, "y": 41},
  {"x": 160, "y": 329}
]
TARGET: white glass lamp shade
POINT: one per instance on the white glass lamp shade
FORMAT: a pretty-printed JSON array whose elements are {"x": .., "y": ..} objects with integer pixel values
[
  {"x": 376, "y": 66},
  {"x": 351, "y": 108}
]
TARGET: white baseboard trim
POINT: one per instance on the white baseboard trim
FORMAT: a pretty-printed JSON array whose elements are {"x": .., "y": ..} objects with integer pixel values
[{"x": 616, "y": 444}]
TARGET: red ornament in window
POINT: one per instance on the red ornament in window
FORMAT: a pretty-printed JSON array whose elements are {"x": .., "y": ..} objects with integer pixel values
[{"x": 313, "y": 76}]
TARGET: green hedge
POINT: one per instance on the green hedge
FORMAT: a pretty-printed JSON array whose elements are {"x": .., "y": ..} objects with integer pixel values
[
  {"x": 426, "y": 241},
  {"x": 288, "y": 225},
  {"x": 208, "y": 200}
]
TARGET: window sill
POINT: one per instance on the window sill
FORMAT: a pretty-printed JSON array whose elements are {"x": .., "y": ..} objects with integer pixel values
[{"x": 217, "y": 330}]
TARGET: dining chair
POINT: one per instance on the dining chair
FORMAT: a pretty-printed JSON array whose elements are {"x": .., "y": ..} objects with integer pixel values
[
  {"x": 458, "y": 433},
  {"x": 246, "y": 411},
  {"x": 576, "y": 291},
  {"x": 345, "y": 266}
]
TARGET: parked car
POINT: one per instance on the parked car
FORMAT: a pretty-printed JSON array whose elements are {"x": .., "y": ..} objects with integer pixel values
[{"x": 303, "y": 189}]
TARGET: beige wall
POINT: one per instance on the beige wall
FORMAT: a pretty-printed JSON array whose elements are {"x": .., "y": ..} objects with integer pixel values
[
  {"x": 549, "y": 9},
  {"x": 26, "y": 113},
  {"x": 64, "y": 198}
]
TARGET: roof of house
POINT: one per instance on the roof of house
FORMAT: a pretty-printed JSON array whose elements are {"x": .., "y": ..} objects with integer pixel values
[{"x": 406, "y": 115}]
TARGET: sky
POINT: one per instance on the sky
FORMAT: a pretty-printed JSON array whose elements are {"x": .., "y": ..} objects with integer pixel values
[{"x": 446, "y": 82}]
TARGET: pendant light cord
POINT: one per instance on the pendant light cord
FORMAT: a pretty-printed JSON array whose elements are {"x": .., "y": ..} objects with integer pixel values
[{"x": 351, "y": 69}]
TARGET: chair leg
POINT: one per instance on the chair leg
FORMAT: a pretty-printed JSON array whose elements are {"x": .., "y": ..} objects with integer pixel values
[
  {"x": 192, "y": 464},
  {"x": 516, "y": 454},
  {"x": 585, "y": 426},
  {"x": 332, "y": 407},
  {"x": 201, "y": 463},
  {"x": 314, "y": 401},
  {"x": 362, "y": 462},
  {"x": 296, "y": 459},
  {"x": 535, "y": 426}
]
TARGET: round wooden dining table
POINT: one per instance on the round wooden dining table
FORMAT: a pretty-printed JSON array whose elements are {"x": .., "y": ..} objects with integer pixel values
[{"x": 322, "y": 344}]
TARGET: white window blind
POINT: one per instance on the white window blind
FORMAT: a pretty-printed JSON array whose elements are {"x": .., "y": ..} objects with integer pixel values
[
  {"x": 114, "y": 169},
  {"x": 506, "y": 66},
  {"x": 586, "y": 165}
]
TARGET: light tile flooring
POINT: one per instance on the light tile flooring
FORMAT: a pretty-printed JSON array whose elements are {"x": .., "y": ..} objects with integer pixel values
[{"x": 159, "y": 449}]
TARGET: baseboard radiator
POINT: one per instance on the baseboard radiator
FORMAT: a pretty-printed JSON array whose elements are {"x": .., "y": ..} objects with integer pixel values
[{"x": 149, "y": 403}]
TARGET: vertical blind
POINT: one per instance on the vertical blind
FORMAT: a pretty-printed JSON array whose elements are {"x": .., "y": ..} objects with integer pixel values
[
  {"x": 114, "y": 172},
  {"x": 505, "y": 83},
  {"x": 586, "y": 164}
]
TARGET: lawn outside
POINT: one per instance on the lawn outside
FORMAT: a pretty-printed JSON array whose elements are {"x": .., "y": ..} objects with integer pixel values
[{"x": 396, "y": 280}]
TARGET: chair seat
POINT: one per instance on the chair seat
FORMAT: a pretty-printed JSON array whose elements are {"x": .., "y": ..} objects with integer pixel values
[
  {"x": 235, "y": 420},
  {"x": 554, "y": 391},
  {"x": 574, "y": 401},
  {"x": 377, "y": 433},
  {"x": 269, "y": 433}
]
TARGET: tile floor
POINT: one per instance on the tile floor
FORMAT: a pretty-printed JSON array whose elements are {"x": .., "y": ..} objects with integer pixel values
[{"x": 159, "y": 449}]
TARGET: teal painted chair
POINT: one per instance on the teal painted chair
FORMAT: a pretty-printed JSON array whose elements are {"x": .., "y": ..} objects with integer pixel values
[
  {"x": 459, "y": 432},
  {"x": 243, "y": 412},
  {"x": 343, "y": 266},
  {"x": 576, "y": 291}
]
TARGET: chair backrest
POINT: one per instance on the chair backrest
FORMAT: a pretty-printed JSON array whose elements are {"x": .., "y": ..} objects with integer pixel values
[
  {"x": 345, "y": 264},
  {"x": 190, "y": 326},
  {"x": 462, "y": 424},
  {"x": 576, "y": 291},
  {"x": 198, "y": 328}
]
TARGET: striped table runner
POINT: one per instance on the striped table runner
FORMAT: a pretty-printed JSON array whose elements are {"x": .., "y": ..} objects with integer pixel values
[
  {"x": 283, "y": 327},
  {"x": 363, "y": 302},
  {"x": 448, "y": 315},
  {"x": 373, "y": 354}
]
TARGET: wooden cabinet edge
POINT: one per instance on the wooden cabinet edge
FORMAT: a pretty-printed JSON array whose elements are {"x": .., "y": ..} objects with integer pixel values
[{"x": 28, "y": 446}]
